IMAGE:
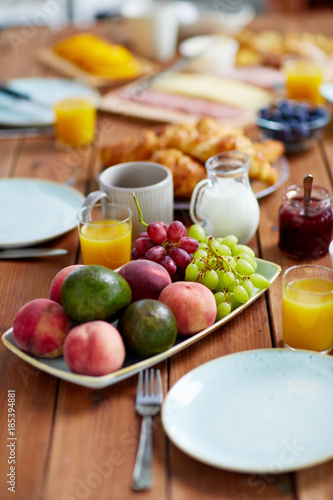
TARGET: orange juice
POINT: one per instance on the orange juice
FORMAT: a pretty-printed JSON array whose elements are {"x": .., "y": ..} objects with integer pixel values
[
  {"x": 75, "y": 121},
  {"x": 303, "y": 80},
  {"x": 308, "y": 314},
  {"x": 106, "y": 243}
]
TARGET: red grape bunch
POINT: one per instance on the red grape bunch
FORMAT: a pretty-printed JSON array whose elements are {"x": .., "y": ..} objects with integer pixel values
[{"x": 167, "y": 245}]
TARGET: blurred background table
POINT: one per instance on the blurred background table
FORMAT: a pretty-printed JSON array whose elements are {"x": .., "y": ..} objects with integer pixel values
[{"x": 66, "y": 433}]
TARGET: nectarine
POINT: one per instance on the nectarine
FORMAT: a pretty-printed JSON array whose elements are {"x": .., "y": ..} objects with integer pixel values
[
  {"x": 94, "y": 348},
  {"x": 40, "y": 328},
  {"x": 193, "y": 305},
  {"x": 146, "y": 278},
  {"x": 58, "y": 280}
]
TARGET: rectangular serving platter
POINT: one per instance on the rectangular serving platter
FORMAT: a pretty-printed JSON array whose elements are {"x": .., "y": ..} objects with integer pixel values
[{"x": 58, "y": 368}]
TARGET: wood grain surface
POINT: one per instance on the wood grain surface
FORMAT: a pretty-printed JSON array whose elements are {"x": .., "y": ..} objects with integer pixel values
[{"x": 75, "y": 443}]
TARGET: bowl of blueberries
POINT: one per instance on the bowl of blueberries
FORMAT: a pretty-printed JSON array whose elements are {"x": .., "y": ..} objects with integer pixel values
[{"x": 297, "y": 124}]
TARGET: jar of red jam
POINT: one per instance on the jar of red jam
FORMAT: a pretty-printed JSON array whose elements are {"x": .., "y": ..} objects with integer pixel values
[{"x": 305, "y": 230}]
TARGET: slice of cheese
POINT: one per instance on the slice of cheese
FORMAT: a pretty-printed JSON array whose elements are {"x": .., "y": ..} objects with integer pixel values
[{"x": 214, "y": 88}]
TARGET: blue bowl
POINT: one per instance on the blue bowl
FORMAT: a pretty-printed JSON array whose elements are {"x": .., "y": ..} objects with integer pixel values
[{"x": 296, "y": 124}]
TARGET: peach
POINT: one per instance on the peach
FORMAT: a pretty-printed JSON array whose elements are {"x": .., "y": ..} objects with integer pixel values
[
  {"x": 58, "y": 280},
  {"x": 146, "y": 278},
  {"x": 193, "y": 305},
  {"x": 40, "y": 328},
  {"x": 94, "y": 348}
]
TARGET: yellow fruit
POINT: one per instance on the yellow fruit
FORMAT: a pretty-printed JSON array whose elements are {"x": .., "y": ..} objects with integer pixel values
[{"x": 98, "y": 56}]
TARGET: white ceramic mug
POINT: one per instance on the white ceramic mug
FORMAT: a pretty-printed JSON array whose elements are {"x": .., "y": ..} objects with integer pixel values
[
  {"x": 152, "y": 184},
  {"x": 153, "y": 27}
]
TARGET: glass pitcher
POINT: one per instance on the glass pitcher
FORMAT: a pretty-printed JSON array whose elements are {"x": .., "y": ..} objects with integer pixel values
[{"x": 224, "y": 203}]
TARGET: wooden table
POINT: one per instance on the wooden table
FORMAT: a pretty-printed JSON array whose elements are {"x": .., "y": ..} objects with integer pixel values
[{"x": 77, "y": 443}]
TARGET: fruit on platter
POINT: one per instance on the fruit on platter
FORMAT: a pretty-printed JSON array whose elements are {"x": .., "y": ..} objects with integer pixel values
[
  {"x": 165, "y": 244},
  {"x": 226, "y": 268},
  {"x": 94, "y": 292},
  {"x": 193, "y": 305},
  {"x": 146, "y": 278},
  {"x": 54, "y": 293},
  {"x": 40, "y": 327},
  {"x": 94, "y": 348},
  {"x": 148, "y": 327},
  {"x": 206, "y": 278}
]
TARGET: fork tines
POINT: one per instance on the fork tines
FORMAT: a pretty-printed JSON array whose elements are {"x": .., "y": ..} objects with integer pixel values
[{"x": 147, "y": 387}]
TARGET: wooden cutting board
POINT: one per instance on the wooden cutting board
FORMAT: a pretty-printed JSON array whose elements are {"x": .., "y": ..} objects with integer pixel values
[
  {"x": 116, "y": 102},
  {"x": 66, "y": 68}
]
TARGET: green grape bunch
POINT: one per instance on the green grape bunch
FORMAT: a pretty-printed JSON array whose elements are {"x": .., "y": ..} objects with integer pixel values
[{"x": 227, "y": 268}]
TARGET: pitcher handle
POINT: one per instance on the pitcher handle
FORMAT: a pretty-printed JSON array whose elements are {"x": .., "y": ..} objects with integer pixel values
[{"x": 194, "y": 199}]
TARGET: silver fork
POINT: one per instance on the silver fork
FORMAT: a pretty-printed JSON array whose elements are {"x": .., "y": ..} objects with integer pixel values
[{"x": 148, "y": 404}]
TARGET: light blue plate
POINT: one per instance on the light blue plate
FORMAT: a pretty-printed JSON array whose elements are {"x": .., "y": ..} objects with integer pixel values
[
  {"x": 259, "y": 411},
  {"x": 45, "y": 91},
  {"x": 33, "y": 211}
]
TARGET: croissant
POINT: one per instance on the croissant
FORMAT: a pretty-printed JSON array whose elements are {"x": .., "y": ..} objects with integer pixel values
[
  {"x": 197, "y": 139},
  {"x": 270, "y": 149},
  {"x": 208, "y": 137},
  {"x": 186, "y": 172},
  {"x": 184, "y": 148},
  {"x": 138, "y": 148},
  {"x": 260, "y": 169}
]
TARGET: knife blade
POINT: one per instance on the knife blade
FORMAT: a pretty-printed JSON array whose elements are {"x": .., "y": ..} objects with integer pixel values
[
  {"x": 24, "y": 253},
  {"x": 177, "y": 66},
  {"x": 13, "y": 93},
  {"x": 21, "y": 96},
  {"x": 149, "y": 81}
]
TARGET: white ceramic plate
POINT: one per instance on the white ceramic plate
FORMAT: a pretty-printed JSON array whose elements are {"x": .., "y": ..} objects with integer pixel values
[
  {"x": 33, "y": 211},
  {"x": 260, "y": 411},
  {"x": 132, "y": 366},
  {"x": 281, "y": 165},
  {"x": 45, "y": 91}
]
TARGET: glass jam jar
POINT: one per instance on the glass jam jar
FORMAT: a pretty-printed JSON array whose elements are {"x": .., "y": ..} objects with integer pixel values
[{"x": 305, "y": 231}]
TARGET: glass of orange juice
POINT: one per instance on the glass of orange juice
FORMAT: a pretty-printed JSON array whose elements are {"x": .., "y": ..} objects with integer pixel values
[
  {"x": 105, "y": 232},
  {"x": 303, "y": 78},
  {"x": 75, "y": 121},
  {"x": 307, "y": 308}
]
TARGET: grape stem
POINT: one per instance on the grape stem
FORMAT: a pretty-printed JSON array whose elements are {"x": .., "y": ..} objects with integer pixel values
[
  {"x": 218, "y": 256},
  {"x": 139, "y": 210}
]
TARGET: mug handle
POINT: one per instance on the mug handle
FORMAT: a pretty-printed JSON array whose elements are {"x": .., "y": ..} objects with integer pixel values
[
  {"x": 93, "y": 198},
  {"x": 194, "y": 200}
]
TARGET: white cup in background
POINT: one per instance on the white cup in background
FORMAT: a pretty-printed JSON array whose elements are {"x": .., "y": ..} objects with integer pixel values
[
  {"x": 330, "y": 249},
  {"x": 153, "y": 26},
  {"x": 210, "y": 53},
  {"x": 152, "y": 184}
]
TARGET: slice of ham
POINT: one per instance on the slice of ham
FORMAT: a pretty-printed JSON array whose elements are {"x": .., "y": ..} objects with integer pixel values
[
  {"x": 187, "y": 104},
  {"x": 261, "y": 76}
]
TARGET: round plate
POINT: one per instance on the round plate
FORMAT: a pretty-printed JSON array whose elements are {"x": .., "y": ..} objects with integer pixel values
[
  {"x": 260, "y": 411},
  {"x": 33, "y": 211},
  {"x": 45, "y": 91}
]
